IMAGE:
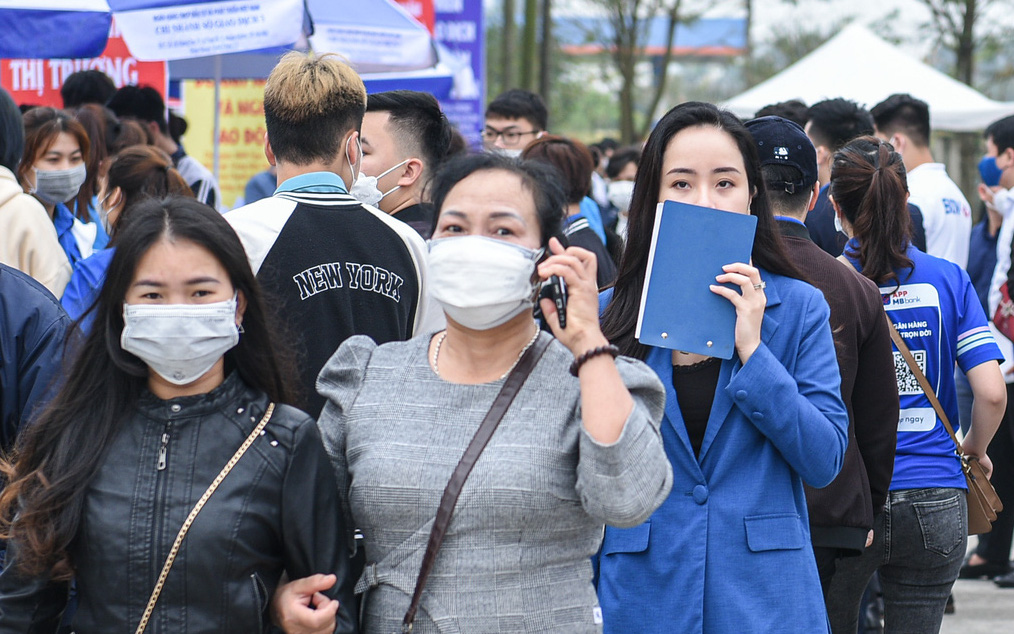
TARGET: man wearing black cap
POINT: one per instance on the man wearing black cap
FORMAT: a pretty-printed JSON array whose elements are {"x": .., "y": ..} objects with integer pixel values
[{"x": 841, "y": 514}]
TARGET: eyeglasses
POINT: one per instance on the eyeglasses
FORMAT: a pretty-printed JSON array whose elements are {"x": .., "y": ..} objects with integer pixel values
[{"x": 510, "y": 137}]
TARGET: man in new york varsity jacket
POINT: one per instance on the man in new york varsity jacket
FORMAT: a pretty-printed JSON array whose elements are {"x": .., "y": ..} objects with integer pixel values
[{"x": 334, "y": 267}]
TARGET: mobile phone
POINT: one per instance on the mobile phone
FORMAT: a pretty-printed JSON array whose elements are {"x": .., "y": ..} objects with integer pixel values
[{"x": 555, "y": 288}]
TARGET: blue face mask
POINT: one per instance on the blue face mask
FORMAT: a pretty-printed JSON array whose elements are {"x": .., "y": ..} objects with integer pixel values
[{"x": 989, "y": 172}]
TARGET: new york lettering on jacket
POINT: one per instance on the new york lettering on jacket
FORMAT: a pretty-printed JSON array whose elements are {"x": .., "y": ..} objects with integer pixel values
[{"x": 333, "y": 268}]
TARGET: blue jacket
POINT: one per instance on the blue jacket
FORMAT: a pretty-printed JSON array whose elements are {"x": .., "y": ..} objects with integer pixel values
[
  {"x": 32, "y": 330},
  {"x": 729, "y": 550},
  {"x": 84, "y": 286}
]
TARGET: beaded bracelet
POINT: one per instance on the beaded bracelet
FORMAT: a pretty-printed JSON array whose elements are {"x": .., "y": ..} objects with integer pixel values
[{"x": 610, "y": 349}]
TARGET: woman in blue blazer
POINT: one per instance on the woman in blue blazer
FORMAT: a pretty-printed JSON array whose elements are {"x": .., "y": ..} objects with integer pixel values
[{"x": 729, "y": 550}]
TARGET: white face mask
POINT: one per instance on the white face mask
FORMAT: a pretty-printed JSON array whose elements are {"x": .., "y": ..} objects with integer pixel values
[
  {"x": 180, "y": 342},
  {"x": 57, "y": 186},
  {"x": 481, "y": 282},
  {"x": 837, "y": 223},
  {"x": 619, "y": 194},
  {"x": 514, "y": 152},
  {"x": 365, "y": 188}
]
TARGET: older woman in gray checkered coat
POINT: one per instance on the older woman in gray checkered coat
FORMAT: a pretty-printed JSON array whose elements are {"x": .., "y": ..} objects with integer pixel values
[{"x": 571, "y": 454}]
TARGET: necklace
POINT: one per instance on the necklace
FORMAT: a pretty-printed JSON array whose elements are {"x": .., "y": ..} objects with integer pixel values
[{"x": 443, "y": 335}]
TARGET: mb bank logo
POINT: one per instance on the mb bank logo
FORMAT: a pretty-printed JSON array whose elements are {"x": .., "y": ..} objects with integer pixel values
[{"x": 953, "y": 207}]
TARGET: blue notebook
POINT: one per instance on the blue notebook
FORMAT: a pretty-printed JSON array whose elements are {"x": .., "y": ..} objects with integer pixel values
[{"x": 689, "y": 247}]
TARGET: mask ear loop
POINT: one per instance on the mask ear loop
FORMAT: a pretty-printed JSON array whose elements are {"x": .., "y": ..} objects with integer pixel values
[
  {"x": 348, "y": 160},
  {"x": 396, "y": 187},
  {"x": 239, "y": 327}
]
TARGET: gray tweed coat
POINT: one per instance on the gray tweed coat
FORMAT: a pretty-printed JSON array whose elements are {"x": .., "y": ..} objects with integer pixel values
[{"x": 516, "y": 555}]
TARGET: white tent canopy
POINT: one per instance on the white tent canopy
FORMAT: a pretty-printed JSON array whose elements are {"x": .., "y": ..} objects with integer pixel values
[{"x": 858, "y": 65}]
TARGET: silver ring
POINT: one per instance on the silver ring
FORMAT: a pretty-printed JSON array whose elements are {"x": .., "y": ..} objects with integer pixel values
[{"x": 761, "y": 286}]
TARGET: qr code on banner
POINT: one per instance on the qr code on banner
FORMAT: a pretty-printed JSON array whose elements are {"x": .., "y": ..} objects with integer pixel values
[{"x": 907, "y": 383}]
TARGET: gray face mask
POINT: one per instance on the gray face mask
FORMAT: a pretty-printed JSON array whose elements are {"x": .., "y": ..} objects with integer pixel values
[
  {"x": 180, "y": 342},
  {"x": 58, "y": 186}
]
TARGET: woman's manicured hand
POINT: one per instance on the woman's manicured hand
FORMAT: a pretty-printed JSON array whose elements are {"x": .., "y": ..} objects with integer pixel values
[{"x": 749, "y": 303}]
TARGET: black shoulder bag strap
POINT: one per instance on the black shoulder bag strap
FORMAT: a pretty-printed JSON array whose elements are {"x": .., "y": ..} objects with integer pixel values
[{"x": 501, "y": 403}]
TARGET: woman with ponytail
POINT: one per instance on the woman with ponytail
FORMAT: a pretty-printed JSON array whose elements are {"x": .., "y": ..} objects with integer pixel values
[
  {"x": 920, "y": 537},
  {"x": 137, "y": 173}
]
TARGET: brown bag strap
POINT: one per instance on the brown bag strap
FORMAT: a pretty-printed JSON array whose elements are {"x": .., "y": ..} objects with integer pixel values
[
  {"x": 501, "y": 403},
  {"x": 923, "y": 381}
]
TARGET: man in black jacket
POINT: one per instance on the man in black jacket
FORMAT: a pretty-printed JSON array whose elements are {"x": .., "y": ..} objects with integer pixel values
[
  {"x": 333, "y": 266},
  {"x": 841, "y": 514}
]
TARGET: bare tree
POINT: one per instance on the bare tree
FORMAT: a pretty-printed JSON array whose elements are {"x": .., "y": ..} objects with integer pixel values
[
  {"x": 508, "y": 38},
  {"x": 958, "y": 27},
  {"x": 630, "y": 22},
  {"x": 955, "y": 24},
  {"x": 529, "y": 46}
]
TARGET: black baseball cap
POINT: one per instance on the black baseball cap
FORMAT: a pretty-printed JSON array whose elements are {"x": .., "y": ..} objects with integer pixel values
[{"x": 782, "y": 142}]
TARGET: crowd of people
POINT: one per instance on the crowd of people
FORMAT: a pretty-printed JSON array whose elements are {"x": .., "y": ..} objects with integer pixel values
[{"x": 401, "y": 388}]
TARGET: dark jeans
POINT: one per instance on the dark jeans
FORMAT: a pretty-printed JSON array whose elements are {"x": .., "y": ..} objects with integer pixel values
[
  {"x": 918, "y": 546},
  {"x": 995, "y": 545}
]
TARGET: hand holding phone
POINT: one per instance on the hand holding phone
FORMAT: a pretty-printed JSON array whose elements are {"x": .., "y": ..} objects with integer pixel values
[{"x": 555, "y": 288}]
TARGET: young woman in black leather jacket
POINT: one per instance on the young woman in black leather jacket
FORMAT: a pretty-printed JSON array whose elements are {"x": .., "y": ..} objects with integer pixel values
[{"x": 176, "y": 373}]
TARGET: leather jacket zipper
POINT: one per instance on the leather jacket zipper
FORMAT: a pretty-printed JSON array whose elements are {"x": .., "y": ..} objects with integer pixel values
[
  {"x": 161, "y": 484},
  {"x": 163, "y": 449}
]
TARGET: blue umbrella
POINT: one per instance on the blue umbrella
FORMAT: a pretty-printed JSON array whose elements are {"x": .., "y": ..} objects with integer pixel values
[{"x": 53, "y": 28}]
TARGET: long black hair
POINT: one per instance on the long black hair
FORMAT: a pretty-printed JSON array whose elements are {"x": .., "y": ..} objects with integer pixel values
[
  {"x": 869, "y": 184},
  {"x": 59, "y": 454},
  {"x": 619, "y": 320}
]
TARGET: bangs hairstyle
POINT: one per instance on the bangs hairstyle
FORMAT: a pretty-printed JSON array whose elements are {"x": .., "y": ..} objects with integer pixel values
[
  {"x": 537, "y": 178},
  {"x": 571, "y": 158},
  {"x": 520, "y": 104},
  {"x": 620, "y": 159},
  {"x": 620, "y": 317},
  {"x": 57, "y": 457},
  {"x": 310, "y": 104},
  {"x": 1002, "y": 133},
  {"x": 42, "y": 126},
  {"x": 869, "y": 184}
]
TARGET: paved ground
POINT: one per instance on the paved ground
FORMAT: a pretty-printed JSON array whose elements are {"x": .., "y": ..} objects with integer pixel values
[{"x": 980, "y": 608}]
